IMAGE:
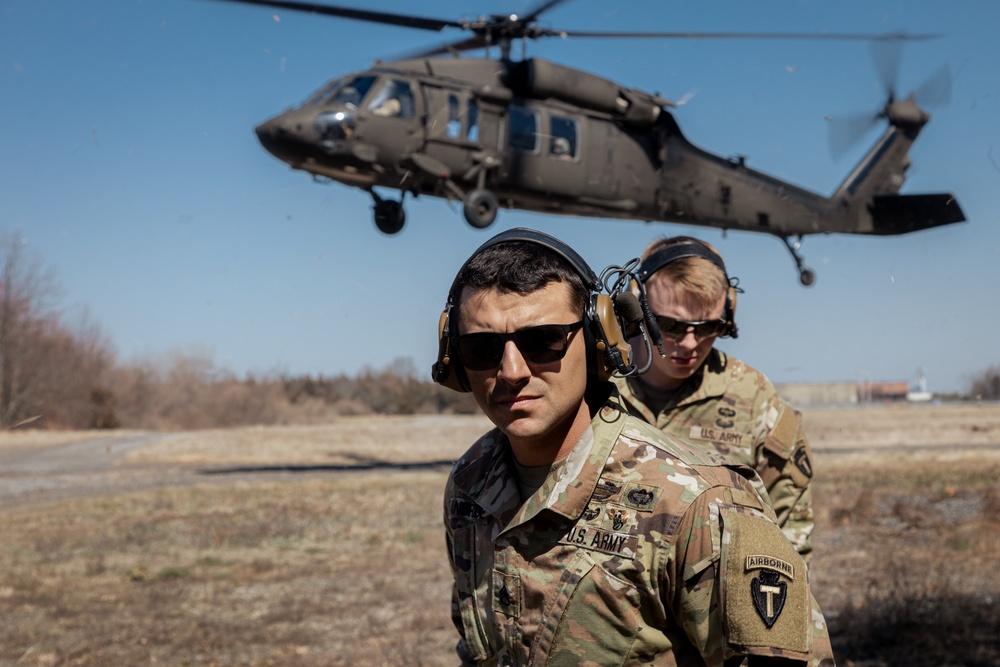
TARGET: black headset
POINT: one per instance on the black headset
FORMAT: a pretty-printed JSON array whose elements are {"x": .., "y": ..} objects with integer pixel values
[
  {"x": 681, "y": 250},
  {"x": 607, "y": 351}
]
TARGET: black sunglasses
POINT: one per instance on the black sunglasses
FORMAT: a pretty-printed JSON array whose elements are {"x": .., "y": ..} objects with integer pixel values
[
  {"x": 675, "y": 328},
  {"x": 538, "y": 345}
]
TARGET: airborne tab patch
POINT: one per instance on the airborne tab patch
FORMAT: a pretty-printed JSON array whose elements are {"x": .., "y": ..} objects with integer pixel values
[{"x": 770, "y": 563}]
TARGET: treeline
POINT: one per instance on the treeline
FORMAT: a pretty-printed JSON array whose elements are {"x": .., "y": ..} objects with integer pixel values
[
  {"x": 58, "y": 371},
  {"x": 186, "y": 391},
  {"x": 985, "y": 385}
]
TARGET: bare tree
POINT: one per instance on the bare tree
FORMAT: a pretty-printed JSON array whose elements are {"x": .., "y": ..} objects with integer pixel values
[
  {"x": 985, "y": 385},
  {"x": 26, "y": 294},
  {"x": 49, "y": 371}
]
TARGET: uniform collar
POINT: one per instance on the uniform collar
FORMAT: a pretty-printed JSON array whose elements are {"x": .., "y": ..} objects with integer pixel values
[
  {"x": 710, "y": 381},
  {"x": 489, "y": 479}
]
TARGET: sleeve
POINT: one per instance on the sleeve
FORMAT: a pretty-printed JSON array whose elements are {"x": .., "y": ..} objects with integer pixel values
[
  {"x": 741, "y": 590},
  {"x": 784, "y": 462},
  {"x": 461, "y": 648}
]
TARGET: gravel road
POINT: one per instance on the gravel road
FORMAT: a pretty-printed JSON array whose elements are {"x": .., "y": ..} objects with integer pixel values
[{"x": 85, "y": 467}]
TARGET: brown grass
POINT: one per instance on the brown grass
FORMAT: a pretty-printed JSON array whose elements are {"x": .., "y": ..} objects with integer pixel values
[{"x": 349, "y": 568}]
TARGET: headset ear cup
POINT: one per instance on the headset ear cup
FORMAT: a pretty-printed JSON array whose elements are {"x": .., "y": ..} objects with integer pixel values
[
  {"x": 613, "y": 353},
  {"x": 446, "y": 370},
  {"x": 731, "y": 329}
]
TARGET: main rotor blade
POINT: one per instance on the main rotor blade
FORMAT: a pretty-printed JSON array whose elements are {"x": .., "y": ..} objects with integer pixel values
[
  {"x": 403, "y": 20},
  {"x": 843, "y": 36},
  {"x": 476, "y": 42},
  {"x": 540, "y": 9}
]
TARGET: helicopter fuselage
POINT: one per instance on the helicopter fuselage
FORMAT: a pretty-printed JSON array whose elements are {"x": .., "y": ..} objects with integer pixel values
[{"x": 538, "y": 136}]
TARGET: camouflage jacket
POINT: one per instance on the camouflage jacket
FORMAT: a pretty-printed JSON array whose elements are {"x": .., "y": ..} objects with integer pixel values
[
  {"x": 732, "y": 408},
  {"x": 637, "y": 549}
]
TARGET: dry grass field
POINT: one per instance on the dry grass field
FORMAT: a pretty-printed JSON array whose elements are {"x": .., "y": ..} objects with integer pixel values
[{"x": 322, "y": 545}]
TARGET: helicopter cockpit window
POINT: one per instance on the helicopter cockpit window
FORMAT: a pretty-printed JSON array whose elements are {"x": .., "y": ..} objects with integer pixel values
[
  {"x": 352, "y": 91},
  {"x": 523, "y": 128},
  {"x": 325, "y": 92},
  {"x": 563, "y": 138},
  {"x": 393, "y": 100}
]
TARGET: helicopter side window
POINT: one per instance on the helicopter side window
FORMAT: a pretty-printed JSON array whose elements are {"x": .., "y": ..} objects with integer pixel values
[
  {"x": 393, "y": 100},
  {"x": 563, "y": 138},
  {"x": 473, "y": 134},
  {"x": 454, "y": 127},
  {"x": 353, "y": 91},
  {"x": 523, "y": 129}
]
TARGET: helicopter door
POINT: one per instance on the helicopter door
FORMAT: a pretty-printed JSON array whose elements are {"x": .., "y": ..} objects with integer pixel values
[
  {"x": 454, "y": 129},
  {"x": 391, "y": 123},
  {"x": 546, "y": 152}
]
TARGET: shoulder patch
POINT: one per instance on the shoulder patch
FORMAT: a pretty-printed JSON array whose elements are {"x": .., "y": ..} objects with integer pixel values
[
  {"x": 781, "y": 439},
  {"x": 766, "y": 602},
  {"x": 803, "y": 463}
]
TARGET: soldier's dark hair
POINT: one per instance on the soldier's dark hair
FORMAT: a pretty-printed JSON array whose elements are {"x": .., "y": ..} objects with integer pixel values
[{"x": 521, "y": 267}]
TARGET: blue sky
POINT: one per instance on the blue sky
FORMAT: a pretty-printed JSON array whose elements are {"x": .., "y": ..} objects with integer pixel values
[{"x": 128, "y": 161}]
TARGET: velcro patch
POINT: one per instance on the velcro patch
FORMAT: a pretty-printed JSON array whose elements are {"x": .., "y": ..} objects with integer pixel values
[
  {"x": 507, "y": 593},
  {"x": 766, "y": 601},
  {"x": 640, "y": 497},
  {"x": 781, "y": 440}
]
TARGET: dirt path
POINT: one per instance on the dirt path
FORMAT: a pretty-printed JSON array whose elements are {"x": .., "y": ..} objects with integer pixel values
[
  {"x": 40, "y": 467},
  {"x": 41, "y": 473}
]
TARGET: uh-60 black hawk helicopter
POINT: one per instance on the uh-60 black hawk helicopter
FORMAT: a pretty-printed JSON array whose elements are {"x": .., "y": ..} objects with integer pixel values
[{"x": 530, "y": 134}]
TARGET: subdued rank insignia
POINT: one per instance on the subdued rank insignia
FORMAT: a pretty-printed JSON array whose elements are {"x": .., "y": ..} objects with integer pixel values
[
  {"x": 504, "y": 595},
  {"x": 768, "y": 595},
  {"x": 802, "y": 462}
]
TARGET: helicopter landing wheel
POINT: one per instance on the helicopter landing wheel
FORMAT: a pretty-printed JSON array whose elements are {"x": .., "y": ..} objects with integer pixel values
[
  {"x": 481, "y": 208},
  {"x": 806, "y": 276},
  {"x": 389, "y": 216}
]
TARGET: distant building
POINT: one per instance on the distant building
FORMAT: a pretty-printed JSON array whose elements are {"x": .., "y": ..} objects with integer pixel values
[
  {"x": 851, "y": 393},
  {"x": 882, "y": 392},
  {"x": 819, "y": 393}
]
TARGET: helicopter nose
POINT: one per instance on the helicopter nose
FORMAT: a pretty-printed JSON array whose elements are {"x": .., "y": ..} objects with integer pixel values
[{"x": 272, "y": 133}]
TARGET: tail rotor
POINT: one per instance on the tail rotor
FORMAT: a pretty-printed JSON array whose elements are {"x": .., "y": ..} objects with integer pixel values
[{"x": 845, "y": 132}]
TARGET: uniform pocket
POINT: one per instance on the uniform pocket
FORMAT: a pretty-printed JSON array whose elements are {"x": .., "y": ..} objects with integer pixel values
[
  {"x": 472, "y": 585},
  {"x": 600, "y": 621}
]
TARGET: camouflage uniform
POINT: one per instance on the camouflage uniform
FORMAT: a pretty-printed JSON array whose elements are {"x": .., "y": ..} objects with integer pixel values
[
  {"x": 732, "y": 408},
  {"x": 636, "y": 550}
]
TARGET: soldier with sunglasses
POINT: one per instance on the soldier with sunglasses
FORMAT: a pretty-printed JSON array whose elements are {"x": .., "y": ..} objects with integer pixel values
[
  {"x": 701, "y": 394},
  {"x": 576, "y": 533}
]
